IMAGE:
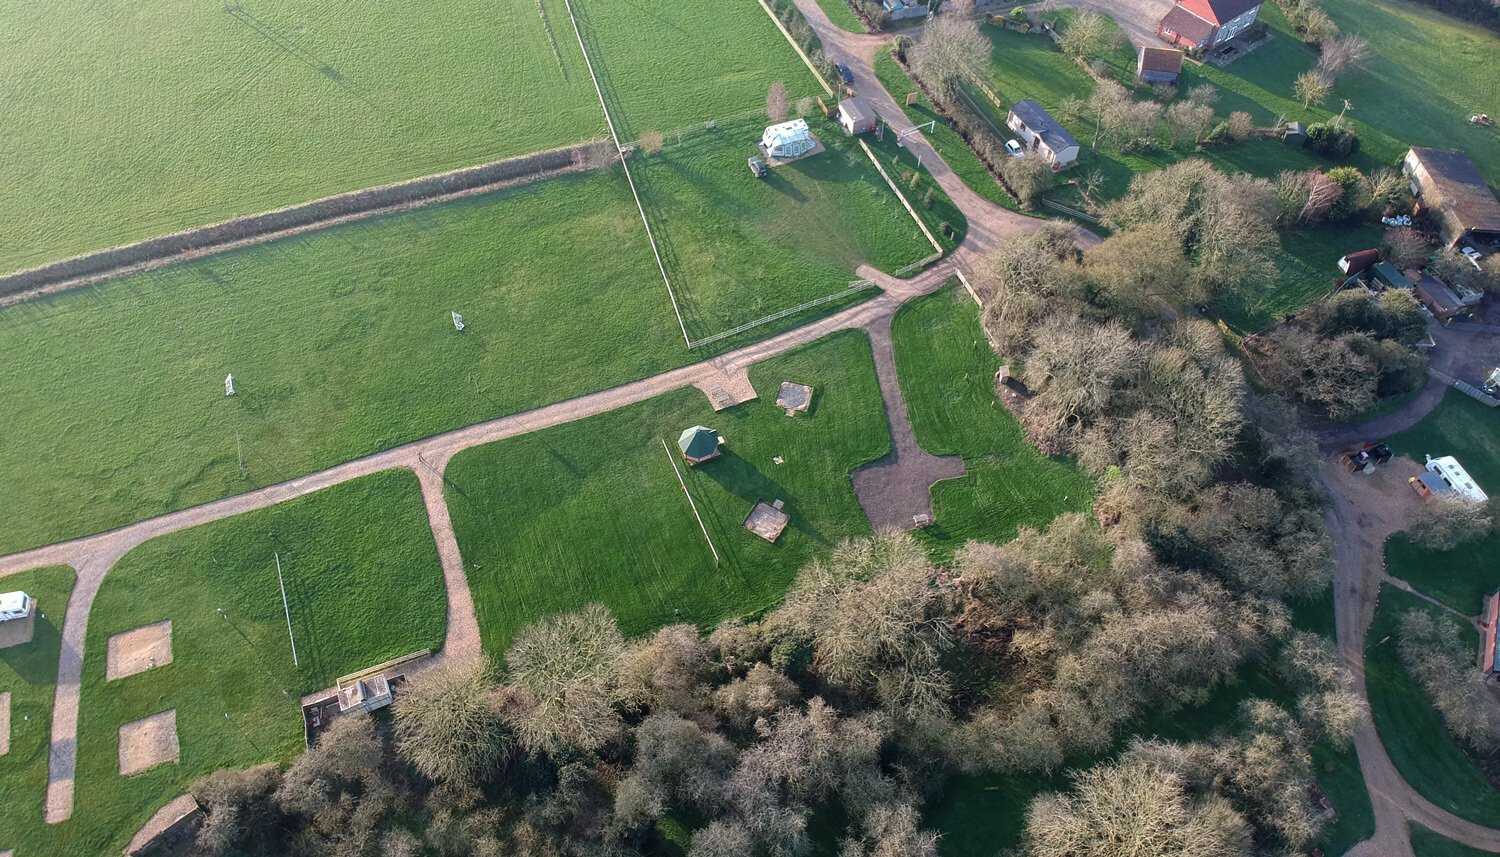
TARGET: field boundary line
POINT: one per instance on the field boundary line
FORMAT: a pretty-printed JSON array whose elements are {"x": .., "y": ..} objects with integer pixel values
[
  {"x": 620, "y": 151},
  {"x": 261, "y": 227},
  {"x": 796, "y": 47},
  {"x": 854, "y": 288},
  {"x": 682, "y": 483},
  {"x": 901, "y": 196}
]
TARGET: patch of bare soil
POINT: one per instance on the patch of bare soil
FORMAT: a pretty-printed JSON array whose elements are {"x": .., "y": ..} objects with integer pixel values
[
  {"x": 139, "y": 650},
  {"x": 148, "y": 742}
]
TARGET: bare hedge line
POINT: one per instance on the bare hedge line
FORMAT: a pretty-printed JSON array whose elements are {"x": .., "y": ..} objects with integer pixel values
[{"x": 154, "y": 251}]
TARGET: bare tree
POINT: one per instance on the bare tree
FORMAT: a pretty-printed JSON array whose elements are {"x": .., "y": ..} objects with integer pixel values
[
  {"x": 1133, "y": 809},
  {"x": 566, "y": 664},
  {"x": 1404, "y": 246},
  {"x": 1312, "y": 87},
  {"x": 1447, "y": 521},
  {"x": 1444, "y": 666},
  {"x": 1241, "y": 125},
  {"x": 448, "y": 722},
  {"x": 239, "y": 814},
  {"x": 1086, "y": 37},
  {"x": 1344, "y": 53},
  {"x": 951, "y": 49},
  {"x": 1385, "y": 187},
  {"x": 1189, "y": 119},
  {"x": 1323, "y": 193},
  {"x": 778, "y": 106},
  {"x": 1028, "y": 177}
]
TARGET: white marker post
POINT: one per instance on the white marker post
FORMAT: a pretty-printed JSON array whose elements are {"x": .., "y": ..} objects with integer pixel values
[
  {"x": 288, "y": 612},
  {"x": 229, "y": 384}
]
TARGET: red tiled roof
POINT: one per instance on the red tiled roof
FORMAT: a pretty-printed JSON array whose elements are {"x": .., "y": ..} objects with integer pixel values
[
  {"x": 1219, "y": 11},
  {"x": 1161, "y": 59},
  {"x": 1187, "y": 25}
]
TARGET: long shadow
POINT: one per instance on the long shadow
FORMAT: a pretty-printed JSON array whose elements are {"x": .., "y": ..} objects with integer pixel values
[
  {"x": 744, "y": 480},
  {"x": 297, "y": 52},
  {"x": 36, "y": 662}
]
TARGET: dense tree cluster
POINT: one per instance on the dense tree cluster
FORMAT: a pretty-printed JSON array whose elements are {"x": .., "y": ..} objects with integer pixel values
[
  {"x": 1443, "y": 664},
  {"x": 1344, "y": 354}
]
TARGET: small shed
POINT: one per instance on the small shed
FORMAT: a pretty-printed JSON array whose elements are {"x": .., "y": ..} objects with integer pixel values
[
  {"x": 1295, "y": 136},
  {"x": 1359, "y": 261},
  {"x": 857, "y": 116},
  {"x": 1388, "y": 276},
  {"x": 787, "y": 140},
  {"x": 699, "y": 444},
  {"x": 1158, "y": 65}
]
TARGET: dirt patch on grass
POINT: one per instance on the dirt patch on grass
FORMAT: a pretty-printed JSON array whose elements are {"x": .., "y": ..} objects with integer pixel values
[
  {"x": 139, "y": 650},
  {"x": 4, "y": 722},
  {"x": 148, "y": 742}
]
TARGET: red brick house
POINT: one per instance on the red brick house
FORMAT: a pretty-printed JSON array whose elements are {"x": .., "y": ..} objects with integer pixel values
[{"x": 1202, "y": 24}]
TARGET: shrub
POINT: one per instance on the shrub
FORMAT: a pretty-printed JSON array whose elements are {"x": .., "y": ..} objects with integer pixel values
[
  {"x": 1332, "y": 140},
  {"x": 928, "y": 197},
  {"x": 946, "y": 228}
]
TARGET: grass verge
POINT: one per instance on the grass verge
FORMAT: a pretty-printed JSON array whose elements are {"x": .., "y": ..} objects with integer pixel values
[
  {"x": 1428, "y": 758},
  {"x": 947, "y": 373},
  {"x": 28, "y": 673},
  {"x": 1425, "y": 843},
  {"x": 592, "y": 511},
  {"x": 363, "y": 584}
]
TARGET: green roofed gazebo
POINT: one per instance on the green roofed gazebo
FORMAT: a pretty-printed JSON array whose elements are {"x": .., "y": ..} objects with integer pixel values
[{"x": 699, "y": 444}]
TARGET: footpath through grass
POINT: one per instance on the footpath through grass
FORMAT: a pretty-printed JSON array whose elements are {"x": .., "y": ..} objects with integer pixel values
[
  {"x": 738, "y": 248},
  {"x": 141, "y": 120},
  {"x": 592, "y": 511},
  {"x": 341, "y": 345},
  {"x": 28, "y": 673},
  {"x": 1427, "y": 757},
  {"x": 1461, "y": 577},
  {"x": 947, "y": 373},
  {"x": 363, "y": 584}
]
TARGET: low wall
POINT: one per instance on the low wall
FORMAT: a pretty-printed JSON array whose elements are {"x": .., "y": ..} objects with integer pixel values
[{"x": 162, "y": 249}]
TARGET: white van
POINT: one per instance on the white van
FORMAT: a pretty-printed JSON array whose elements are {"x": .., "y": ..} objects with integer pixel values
[{"x": 14, "y": 605}]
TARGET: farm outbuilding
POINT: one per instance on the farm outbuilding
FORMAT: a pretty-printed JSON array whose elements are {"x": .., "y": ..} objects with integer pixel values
[
  {"x": 788, "y": 140},
  {"x": 1158, "y": 65},
  {"x": 699, "y": 444},
  {"x": 1447, "y": 184},
  {"x": 1295, "y": 136},
  {"x": 1444, "y": 304},
  {"x": 1358, "y": 262},
  {"x": 857, "y": 116}
]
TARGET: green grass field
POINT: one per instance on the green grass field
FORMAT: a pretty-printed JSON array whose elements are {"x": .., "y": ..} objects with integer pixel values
[
  {"x": 592, "y": 511},
  {"x": 1461, "y": 577},
  {"x": 127, "y": 122},
  {"x": 676, "y": 65},
  {"x": 341, "y": 345},
  {"x": 363, "y": 584},
  {"x": 1427, "y": 757},
  {"x": 842, "y": 16},
  {"x": 28, "y": 672},
  {"x": 1425, "y": 843},
  {"x": 738, "y": 248},
  {"x": 947, "y": 373}
]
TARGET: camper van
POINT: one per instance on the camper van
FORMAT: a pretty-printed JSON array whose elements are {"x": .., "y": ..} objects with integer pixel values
[{"x": 14, "y": 605}]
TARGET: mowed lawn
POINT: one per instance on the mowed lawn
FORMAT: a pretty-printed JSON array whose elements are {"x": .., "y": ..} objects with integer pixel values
[
  {"x": 947, "y": 373},
  {"x": 593, "y": 512},
  {"x": 28, "y": 672},
  {"x": 1460, "y": 577},
  {"x": 1428, "y": 758},
  {"x": 341, "y": 345},
  {"x": 1425, "y": 843},
  {"x": 738, "y": 248},
  {"x": 363, "y": 585},
  {"x": 127, "y": 121},
  {"x": 667, "y": 66}
]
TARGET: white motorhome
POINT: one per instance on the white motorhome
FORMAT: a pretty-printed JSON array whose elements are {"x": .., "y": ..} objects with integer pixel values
[
  {"x": 1456, "y": 478},
  {"x": 15, "y": 605}
]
